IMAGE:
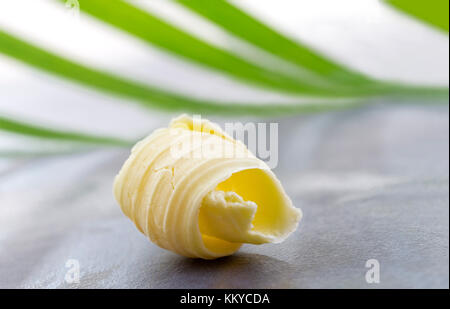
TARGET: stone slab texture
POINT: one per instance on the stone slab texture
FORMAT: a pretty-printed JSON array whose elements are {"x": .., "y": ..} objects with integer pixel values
[{"x": 373, "y": 183}]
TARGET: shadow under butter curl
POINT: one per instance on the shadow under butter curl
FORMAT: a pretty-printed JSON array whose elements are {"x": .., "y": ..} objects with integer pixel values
[{"x": 241, "y": 270}]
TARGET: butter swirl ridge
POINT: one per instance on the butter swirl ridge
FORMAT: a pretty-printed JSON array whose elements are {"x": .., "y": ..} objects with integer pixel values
[{"x": 180, "y": 202}]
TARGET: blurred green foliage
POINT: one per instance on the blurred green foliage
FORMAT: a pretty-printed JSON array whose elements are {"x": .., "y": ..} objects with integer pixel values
[
  {"x": 433, "y": 12},
  {"x": 332, "y": 85}
]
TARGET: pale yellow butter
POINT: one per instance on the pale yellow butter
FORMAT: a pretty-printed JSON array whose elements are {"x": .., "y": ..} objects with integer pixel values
[{"x": 203, "y": 204}]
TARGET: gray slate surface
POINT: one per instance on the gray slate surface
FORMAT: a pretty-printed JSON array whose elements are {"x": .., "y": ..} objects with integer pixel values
[{"x": 372, "y": 183}]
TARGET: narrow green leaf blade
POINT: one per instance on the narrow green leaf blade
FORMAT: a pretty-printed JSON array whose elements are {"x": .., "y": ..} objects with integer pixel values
[
  {"x": 157, "y": 32},
  {"x": 433, "y": 12},
  {"x": 254, "y": 31},
  {"x": 17, "y": 127},
  {"x": 143, "y": 94}
]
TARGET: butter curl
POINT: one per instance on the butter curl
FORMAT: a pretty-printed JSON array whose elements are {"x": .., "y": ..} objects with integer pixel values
[{"x": 183, "y": 188}]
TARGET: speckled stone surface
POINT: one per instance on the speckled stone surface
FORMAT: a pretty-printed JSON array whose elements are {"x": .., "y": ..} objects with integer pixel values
[{"x": 372, "y": 183}]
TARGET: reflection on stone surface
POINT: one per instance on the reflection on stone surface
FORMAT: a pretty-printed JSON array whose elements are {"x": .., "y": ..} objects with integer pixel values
[{"x": 372, "y": 183}]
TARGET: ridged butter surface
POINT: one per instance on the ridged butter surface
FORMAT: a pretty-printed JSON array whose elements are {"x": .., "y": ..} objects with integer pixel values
[{"x": 202, "y": 203}]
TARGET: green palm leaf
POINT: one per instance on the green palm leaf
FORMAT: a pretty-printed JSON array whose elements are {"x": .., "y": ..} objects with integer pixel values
[
  {"x": 334, "y": 85},
  {"x": 145, "y": 95},
  {"x": 248, "y": 28},
  {"x": 17, "y": 127},
  {"x": 433, "y": 12},
  {"x": 157, "y": 32}
]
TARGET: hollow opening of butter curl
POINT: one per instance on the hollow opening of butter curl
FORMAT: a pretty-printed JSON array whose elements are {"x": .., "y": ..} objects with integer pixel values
[{"x": 248, "y": 207}]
